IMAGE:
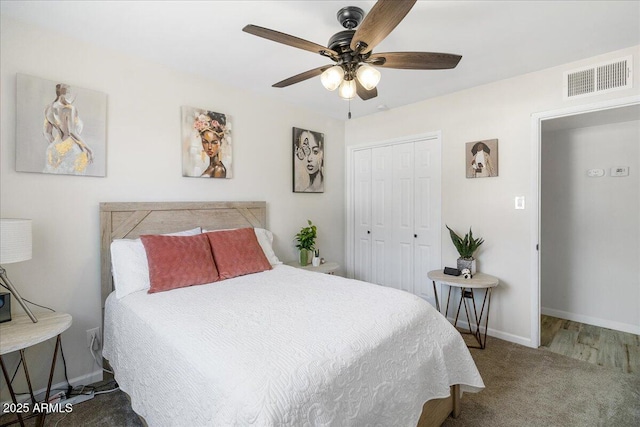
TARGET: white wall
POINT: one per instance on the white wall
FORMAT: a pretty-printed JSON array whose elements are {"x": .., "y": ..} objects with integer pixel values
[
  {"x": 499, "y": 110},
  {"x": 590, "y": 229},
  {"x": 143, "y": 164}
]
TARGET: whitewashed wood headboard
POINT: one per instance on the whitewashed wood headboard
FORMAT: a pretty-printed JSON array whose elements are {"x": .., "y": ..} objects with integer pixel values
[{"x": 129, "y": 220}]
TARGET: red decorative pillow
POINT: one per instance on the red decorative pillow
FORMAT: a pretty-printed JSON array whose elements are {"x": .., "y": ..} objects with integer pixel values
[
  {"x": 178, "y": 261},
  {"x": 237, "y": 252}
]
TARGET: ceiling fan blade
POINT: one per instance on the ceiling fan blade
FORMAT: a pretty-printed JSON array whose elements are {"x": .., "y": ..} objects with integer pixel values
[
  {"x": 289, "y": 40},
  {"x": 383, "y": 17},
  {"x": 302, "y": 76},
  {"x": 365, "y": 94},
  {"x": 415, "y": 60}
]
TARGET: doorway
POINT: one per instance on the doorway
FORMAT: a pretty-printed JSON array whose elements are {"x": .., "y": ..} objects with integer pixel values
[{"x": 582, "y": 218}]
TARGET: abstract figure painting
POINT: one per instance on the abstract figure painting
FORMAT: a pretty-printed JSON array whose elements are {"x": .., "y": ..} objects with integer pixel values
[
  {"x": 308, "y": 161},
  {"x": 206, "y": 143},
  {"x": 61, "y": 128},
  {"x": 482, "y": 158}
]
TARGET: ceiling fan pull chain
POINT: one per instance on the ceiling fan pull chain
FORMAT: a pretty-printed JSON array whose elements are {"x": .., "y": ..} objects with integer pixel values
[{"x": 349, "y": 115}]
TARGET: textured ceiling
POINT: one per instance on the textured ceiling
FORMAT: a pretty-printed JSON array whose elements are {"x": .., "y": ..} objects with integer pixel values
[{"x": 497, "y": 40}]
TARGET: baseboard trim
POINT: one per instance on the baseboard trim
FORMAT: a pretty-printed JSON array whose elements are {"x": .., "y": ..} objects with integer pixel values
[
  {"x": 86, "y": 379},
  {"x": 516, "y": 339},
  {"x": 589, "y": 320}
]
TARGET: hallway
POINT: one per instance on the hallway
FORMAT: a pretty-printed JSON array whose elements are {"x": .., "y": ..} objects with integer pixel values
[{"x": 600, "y": 346}]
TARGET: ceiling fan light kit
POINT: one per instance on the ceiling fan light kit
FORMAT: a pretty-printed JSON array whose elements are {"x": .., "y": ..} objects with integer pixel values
[
  {"x": 347, "y": 89},
  {"x": 368, "y": 76},
  {"x": 332, "y": 77},
  {"x": 354, "y": 71}
]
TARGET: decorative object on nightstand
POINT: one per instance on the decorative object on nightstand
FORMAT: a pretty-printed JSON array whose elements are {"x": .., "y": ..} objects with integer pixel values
[
  {"x": 328, "y": 267},
  {"x": 306, "y": 239},
  {"x": 466, "y": 248},
  {"x": 5, "y": 307},
  {"x": 15, "y": 246},
  {"x": 316, "y": 258}
]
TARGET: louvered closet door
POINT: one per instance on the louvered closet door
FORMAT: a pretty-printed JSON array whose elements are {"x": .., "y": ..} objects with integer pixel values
[{"x": 362, "y": 215}]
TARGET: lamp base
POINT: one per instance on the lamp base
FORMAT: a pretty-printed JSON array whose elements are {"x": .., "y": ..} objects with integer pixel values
[{"x": 7, "y": 283}]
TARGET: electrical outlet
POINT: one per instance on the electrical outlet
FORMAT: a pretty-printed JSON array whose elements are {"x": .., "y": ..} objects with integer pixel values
[{"x": 95, "y": 332}]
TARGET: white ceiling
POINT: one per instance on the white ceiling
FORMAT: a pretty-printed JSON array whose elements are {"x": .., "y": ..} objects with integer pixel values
[{"x": 497, "y": 40}]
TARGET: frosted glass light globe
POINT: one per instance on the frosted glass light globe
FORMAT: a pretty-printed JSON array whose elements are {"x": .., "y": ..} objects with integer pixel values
[
  {"x": 368, "y": 76},
  {"x": 332, "y": 77},
  {"x": 347, "y": 89}
]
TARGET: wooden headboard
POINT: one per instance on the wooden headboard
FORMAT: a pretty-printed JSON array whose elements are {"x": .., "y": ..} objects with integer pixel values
[{"x": 131, "y": 219}]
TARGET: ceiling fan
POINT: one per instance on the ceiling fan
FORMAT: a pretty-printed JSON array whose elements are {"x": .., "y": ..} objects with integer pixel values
[{"x": 354, "y": 70}]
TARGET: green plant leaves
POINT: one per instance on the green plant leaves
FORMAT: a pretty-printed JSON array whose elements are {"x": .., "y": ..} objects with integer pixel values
[
  {"x": 306, "y": 237},
  {"x": 467, "y": 246}
]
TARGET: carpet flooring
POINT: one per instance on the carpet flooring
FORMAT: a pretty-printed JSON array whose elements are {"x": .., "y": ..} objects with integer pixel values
[{"x": 524, "y": 387}]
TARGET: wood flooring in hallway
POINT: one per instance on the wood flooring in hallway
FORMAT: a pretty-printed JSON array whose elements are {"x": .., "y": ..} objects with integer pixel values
[{"x": 600, "y": 346}]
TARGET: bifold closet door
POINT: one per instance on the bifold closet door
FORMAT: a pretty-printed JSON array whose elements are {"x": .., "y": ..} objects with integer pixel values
[
  {"x": 427, "y": 219},
  {"x": 372, "y": 212},
  {"x": 403, "y": 217},
  {"x": 381, "y": 215},
  {"x": 362, "y": 215},
  {"x": 397, "y": 214}
]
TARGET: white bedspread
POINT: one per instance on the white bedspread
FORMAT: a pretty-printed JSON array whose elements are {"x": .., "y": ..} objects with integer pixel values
[{"x": 283, "y": 347}]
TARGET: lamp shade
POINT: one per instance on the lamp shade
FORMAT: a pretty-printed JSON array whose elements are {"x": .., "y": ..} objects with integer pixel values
[{"x": 15, "y": 240}]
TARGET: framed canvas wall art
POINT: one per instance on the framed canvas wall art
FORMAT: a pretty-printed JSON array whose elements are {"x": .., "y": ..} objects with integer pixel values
[
  {"x": 482, "y": 158},
  {"x": 206, "y": 143},
  {"x": 308, "y": 161},
  {"x": 60, "y": 128}
]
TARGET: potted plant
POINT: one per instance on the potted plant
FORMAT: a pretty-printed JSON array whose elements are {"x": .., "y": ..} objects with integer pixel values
[
  {"x": 466, "y": 248},
  {"x": 306, "y": 239}
]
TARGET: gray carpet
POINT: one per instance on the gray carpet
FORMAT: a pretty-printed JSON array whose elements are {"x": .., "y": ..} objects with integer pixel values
[
  {"x": 525, "y": 387},
  {"x": 528, "y": 387}
]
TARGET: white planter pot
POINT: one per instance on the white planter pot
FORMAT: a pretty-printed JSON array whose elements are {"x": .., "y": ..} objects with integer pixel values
[{"x": 467, "y": 263}]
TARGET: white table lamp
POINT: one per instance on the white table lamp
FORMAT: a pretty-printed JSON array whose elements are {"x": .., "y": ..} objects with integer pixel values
[{"x": 15, "y": 246}]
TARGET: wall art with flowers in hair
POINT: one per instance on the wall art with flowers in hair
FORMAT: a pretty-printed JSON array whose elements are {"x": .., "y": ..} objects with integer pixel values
[
  {"x": 308, "y": 161},
  {"x": 206, "y": 143},
  {"x": 60, "y": 128}
]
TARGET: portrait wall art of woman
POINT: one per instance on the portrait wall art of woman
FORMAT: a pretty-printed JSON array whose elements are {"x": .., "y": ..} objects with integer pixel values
[
  {"x": 482, "y": 159},
  {"x": 60, "y": 128},
  {"x": 207, "y": 144},
  {"x": 308, "y": 161}
]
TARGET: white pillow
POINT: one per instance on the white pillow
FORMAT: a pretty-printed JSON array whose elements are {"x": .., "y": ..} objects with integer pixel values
[
  {"x": 129, "y": 265},
  {"x": 265, "y": 239}
]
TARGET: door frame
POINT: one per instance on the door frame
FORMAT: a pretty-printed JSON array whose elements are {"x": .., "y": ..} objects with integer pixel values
[
  {"x": 536, "y": 137},
  {"x": 350, "y": 182}
]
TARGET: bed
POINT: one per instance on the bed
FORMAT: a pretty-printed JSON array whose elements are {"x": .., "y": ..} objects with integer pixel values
[{"x": 280, "y": 347}]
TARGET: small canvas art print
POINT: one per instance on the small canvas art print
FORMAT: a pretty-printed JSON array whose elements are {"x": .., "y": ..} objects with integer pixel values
[
  {"x": 60, "y": 128},
  {"x": 308, "y": 161},
  {"x": 482, "y": 158},
  {"x": 206, "y": 143}
]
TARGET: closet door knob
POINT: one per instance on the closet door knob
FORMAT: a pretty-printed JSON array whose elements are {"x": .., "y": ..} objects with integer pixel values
[
  {"x": 415, "y": 235},
  {"x": 368, "y": 232}
]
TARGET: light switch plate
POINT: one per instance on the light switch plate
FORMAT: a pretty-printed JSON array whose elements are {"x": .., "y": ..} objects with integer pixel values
[
  {"x": 519, "y": 202},
  {"x": 620, "y": 171},
  {"x": 595, "y": 172}
]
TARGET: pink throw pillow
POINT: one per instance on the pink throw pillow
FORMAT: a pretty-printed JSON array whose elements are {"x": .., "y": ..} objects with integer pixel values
[
  {"x": 237, "y": 252},
  {"x": 178, "y": 261}
]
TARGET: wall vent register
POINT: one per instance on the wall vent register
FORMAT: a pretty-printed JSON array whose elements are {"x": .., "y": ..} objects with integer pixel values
[{"x": 598, "y": 79}]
